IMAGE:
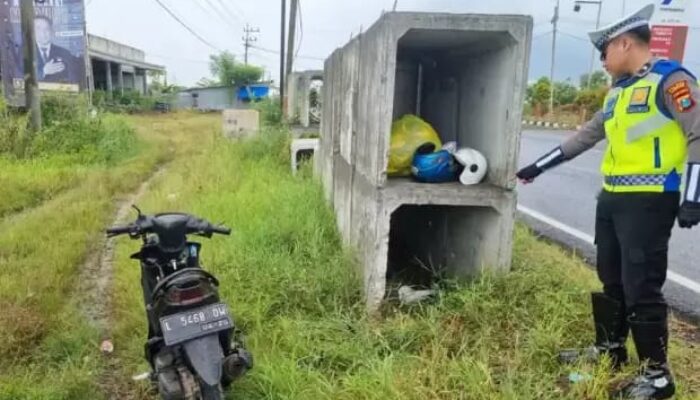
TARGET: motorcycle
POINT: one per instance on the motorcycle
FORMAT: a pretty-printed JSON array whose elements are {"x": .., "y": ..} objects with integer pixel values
[{"x": 190, "y": 345}]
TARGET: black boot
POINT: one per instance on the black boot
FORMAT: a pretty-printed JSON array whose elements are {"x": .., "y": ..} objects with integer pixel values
[
  {"x": 655, "y": 380},
  {"x": 611, "y": 331}
]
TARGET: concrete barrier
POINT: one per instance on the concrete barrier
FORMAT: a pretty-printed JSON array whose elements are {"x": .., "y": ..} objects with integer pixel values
[
  {"x": 550, "y": 125},
  {"x": 301, "y": 149},
  {"x": 240, "y": 123},
  {"x": 298, "y": 95},
  {"x": 466, "y": 75}
]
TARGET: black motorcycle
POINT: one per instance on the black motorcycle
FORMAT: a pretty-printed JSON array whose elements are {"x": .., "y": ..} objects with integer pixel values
[{"x": 190, "y": 347}]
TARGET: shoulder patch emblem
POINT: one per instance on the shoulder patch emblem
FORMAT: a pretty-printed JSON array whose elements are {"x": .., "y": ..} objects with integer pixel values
[{"x": 682, "y": 96}]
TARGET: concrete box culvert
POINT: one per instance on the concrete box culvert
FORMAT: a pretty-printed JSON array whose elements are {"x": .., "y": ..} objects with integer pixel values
[
  {"x": 299, "y": 86},
  {"x": 464, "y": 74}
]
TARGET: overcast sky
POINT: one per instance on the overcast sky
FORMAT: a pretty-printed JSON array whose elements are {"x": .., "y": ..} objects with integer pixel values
[{"x": 328, "y": 24}]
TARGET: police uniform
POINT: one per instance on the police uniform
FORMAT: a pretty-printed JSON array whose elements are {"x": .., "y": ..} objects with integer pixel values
[{"x": 652, "y": 125}]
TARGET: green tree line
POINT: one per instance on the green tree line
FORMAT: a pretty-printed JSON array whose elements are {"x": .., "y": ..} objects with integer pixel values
[
  {"x": 587, "y": 97},
  {"x": 227, "y": 71}
]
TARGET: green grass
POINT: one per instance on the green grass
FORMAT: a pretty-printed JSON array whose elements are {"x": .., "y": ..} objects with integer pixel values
[
  {"x": 27, "y": 183},
  {"x": 46, "y": 349},
  {"x": 295, "y": 295},
  {"x": 70, "y": 148}
]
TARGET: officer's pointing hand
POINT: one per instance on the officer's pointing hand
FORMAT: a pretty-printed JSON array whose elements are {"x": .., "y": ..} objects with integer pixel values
[
  {"x": 529, "y": 173},
  {"x": 689, "y": 215}
]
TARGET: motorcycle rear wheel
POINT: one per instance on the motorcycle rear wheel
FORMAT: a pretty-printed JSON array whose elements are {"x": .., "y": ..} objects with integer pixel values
[{"x": 211, "y": 392}]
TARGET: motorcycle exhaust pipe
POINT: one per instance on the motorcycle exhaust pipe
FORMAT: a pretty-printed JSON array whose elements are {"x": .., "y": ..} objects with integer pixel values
[{"x": 237, "y": 364}]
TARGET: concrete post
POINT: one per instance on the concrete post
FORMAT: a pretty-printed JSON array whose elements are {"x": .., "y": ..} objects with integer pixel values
[
  {"x": 145, "y": 82},
  {"x": 303, "y": 99},
  {"x": 120, "y": 78},
  {"x": 108, "y": 74},
  {"x": 292, "y": 110}
]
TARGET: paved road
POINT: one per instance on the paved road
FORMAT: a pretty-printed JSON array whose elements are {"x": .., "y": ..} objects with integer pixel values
[{"x": 561, "y": 205}]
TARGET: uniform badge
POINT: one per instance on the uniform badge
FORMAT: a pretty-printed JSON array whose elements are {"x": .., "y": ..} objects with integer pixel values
[
  {"x": 639, "y": 102},
  {"x": 609, "y": 110},
  {"x": 682, "y": 96}
]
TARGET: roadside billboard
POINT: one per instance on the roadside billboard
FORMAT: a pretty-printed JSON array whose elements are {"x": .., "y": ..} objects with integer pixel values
[
  {"x": 60, "y": 47},
  {"x": 670, "y": 29}
]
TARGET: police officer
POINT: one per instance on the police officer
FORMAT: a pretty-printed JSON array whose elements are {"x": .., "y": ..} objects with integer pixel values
[{"x": 651, "y": 121}]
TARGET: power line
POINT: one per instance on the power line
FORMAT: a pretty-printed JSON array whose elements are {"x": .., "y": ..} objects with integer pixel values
[
  {"x": 301, "y": 30},
  {"x": 541, "y": 35},
  {"x": 540, "y": 24},
  {"x": 220, "y": 15},
  {"x": 235, "y": 10},
  {"x": 205, "y": 10},
  {"x": 189, "y": 60},
  {"x": 228, "y": 11},
  {"x": 184, "y": 25},
  {"x": 238, "y": 10},
  {"x": 277, "y": 52},
  {"x": 261, "y": 56},
  {"x": 574, "y": 36}
]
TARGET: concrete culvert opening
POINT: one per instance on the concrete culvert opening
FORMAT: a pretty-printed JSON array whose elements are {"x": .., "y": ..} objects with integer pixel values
[
  {"x": 454, "y": 80},
  {"x": 304, "y": 156},
  {"x": 315, "y": 101},
  {"x": 428, "y": 243}
]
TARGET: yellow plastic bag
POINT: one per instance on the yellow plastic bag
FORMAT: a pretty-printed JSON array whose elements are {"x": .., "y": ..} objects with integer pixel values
[{"x": 407, "y": 134}]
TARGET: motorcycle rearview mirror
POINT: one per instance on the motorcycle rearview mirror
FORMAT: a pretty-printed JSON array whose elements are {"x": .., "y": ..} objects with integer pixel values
[{"x": 138, "y": 210}]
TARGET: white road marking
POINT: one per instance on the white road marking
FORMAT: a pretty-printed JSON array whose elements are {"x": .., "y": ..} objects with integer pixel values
[{"x": 672, "y": 276}]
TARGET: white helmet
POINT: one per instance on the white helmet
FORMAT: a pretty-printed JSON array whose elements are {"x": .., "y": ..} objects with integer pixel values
[{"x": 475, "y": 166}]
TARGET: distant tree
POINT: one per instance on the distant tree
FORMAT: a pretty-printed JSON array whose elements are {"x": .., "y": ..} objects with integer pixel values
[
  {"x": 599, "y": 79},
  {"x": 591, "y": 99},
  {"x": 564, "y": 93},
  {"x": 159, "y": 86},
  {"x": 229, "y": 72},
  {"x": 538, "y": 95}
]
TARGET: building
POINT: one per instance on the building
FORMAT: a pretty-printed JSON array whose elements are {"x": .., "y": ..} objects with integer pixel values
[
  {"x": 217, "y": 98},
  {"x": 117, "y": 67},
  {"x": 207, "y": 98}
]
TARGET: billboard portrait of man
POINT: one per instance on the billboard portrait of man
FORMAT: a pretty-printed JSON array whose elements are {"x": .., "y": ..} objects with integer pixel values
[
  {"x": 61, "y": 47},
  {"x": 54, "y": 63}
]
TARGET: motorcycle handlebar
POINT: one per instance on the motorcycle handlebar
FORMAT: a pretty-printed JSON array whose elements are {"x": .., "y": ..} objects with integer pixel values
[
  {"x": 119, "y": 230},
  {"x": 221, "y": 230},
  {"x": 144, "y": 225}
]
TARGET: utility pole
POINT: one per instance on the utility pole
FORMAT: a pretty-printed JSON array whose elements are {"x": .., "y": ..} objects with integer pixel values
[
  {"x": 577, "y": 8},
  {"x": 597, "y": 26},
  {"x": 282, "y": 29},
  {"x": 31, "y": 87},
  {"x": 294, "y": 6},
  {"x": 555, "y": 22},
  {"x": 249, "y": 39}
]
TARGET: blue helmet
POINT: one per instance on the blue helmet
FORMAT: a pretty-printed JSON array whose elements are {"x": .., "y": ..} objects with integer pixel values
[{"x": 434, "y": 167}]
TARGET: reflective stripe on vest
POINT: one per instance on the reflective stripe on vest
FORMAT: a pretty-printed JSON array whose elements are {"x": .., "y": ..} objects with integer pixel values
[
  {"x": 646, "y": 149},
  {"x": 635, "y": 180}
]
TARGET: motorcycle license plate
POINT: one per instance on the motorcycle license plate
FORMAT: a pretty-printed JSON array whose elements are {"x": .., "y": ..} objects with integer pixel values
[{"x": 188, "y": 325}]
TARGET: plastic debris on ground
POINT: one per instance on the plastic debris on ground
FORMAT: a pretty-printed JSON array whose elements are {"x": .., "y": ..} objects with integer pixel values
[{"x": 408, "y": 295}]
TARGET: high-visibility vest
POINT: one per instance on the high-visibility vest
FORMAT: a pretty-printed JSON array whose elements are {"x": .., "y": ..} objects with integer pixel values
[{"x": 647, "y": 149}]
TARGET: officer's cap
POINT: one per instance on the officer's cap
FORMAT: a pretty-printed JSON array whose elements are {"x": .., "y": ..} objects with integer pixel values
[{"x": 601, "y": 37}]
